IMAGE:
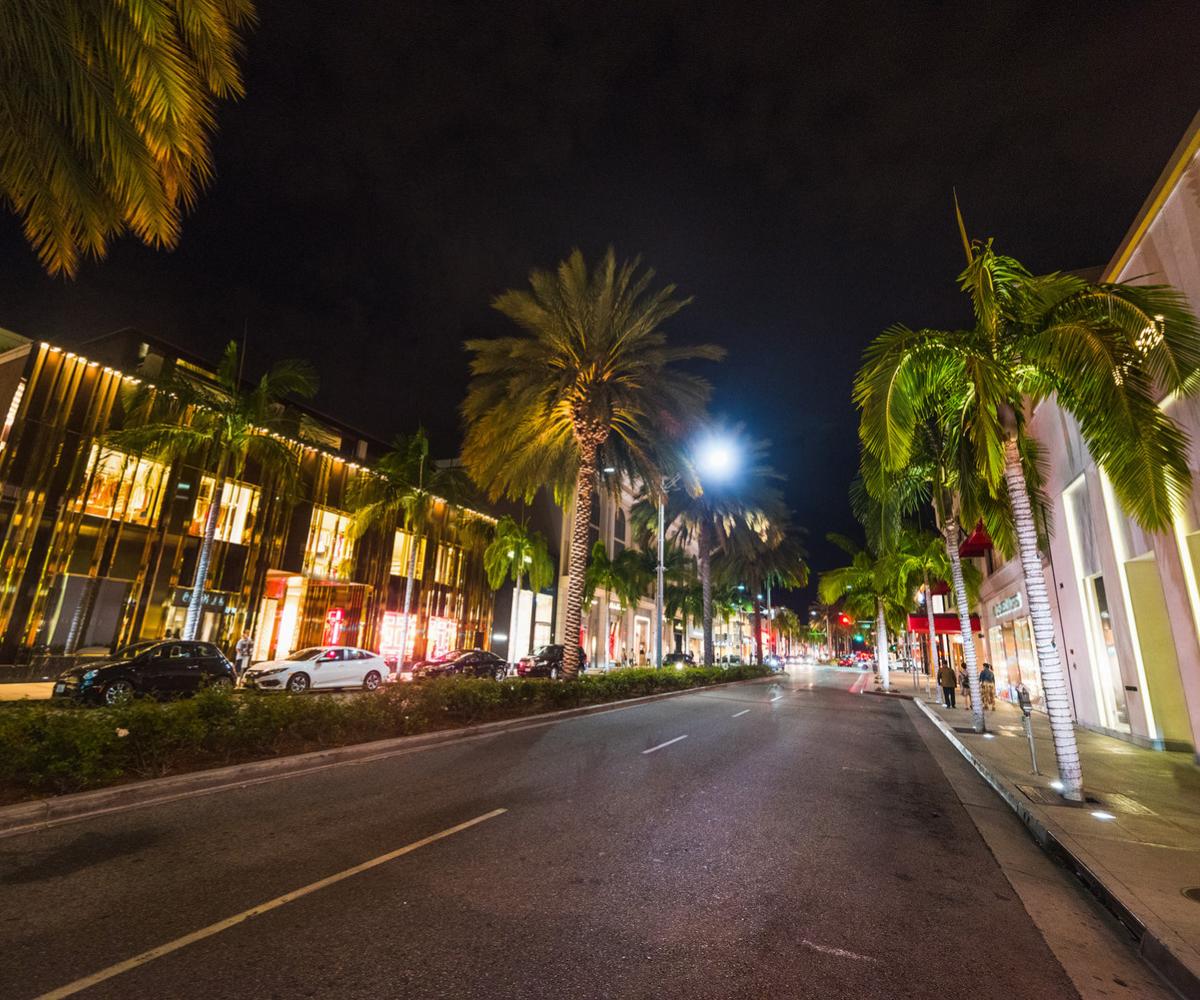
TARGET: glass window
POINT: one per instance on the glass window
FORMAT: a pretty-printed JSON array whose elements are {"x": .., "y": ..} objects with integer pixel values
[
  {"x": 123, "y": 488},
  {"x": 401, "y": 549},
  {"x": 449, "y": 565},
  {"x": 330, "y": 553},
  {"x": 239, "y": 507}
]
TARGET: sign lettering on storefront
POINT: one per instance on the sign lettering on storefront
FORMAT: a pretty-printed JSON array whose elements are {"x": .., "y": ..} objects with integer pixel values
[
  {"x": 211, "y": 601},
  {"x": 1007, "y": 606}
]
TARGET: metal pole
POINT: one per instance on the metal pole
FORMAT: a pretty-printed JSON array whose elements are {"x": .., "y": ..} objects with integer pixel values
[
  {"x": 658, "y": 586},
  {"x": 1032, "y": 748}
]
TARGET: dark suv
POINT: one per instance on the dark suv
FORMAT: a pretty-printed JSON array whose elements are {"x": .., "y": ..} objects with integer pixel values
[
  {"x": 165, "y": 669},
  {"x": 547, "y": 662}
]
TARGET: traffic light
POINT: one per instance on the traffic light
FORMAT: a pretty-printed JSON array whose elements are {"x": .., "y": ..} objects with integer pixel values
[{"x": 844, "y": 619}]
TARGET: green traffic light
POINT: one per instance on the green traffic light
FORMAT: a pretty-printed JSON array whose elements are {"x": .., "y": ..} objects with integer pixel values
[{"x": 858, "y": 637}]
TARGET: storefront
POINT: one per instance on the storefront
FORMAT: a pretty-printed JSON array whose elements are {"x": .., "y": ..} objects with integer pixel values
[{"x": 1011, "y": 651}]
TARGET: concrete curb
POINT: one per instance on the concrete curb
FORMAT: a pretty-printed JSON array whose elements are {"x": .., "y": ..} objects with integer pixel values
[
  {"x": 1155, "y": 951},
  {"x": 26, "y": 817}
]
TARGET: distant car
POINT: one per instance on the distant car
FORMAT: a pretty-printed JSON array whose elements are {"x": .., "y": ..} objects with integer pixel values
[
  {"x": 462, "y": 663},
  {"x": 318, "y": 667},
  {"x": 164, "y": 669},
  {"x": 547, "y": 662},
  {"x": 773, "y": 661},
  {"x": 679, "y": 660}
]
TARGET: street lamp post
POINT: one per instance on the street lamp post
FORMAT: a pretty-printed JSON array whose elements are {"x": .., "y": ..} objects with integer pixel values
[{"x": 668, "y": 484}]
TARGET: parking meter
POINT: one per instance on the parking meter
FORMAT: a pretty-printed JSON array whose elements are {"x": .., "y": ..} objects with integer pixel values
[
  {"x": 1024, "y": 700},
  {"x": 1026, "y": 704}
]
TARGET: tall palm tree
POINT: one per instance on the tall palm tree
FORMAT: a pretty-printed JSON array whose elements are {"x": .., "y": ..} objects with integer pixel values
[
  {"x": 590, "y": 383},
  {"x": 769, "y": 557},
  {"x": 869, "y": 586},
  {"x": 516, "y": 553},
  {"x": 786, "y": 624},
  {"x": 403, "y": 492},
  {"x": 106, "y": 116},
  {"x": 1106, "y": 351},
  {"x": 224, "y": 424}
]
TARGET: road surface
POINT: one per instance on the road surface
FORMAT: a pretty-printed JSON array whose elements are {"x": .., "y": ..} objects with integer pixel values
[{"x": 776, "y": 839}]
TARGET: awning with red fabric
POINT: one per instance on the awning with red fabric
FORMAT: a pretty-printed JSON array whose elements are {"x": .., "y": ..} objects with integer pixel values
[
  {"x": 944, "y": 624},
  {"x": 939, "y": 587},
  {"x": 976, "y": 543}
]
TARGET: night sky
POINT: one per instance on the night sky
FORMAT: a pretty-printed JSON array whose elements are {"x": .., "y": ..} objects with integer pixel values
[{"x": 396, "y": 165}]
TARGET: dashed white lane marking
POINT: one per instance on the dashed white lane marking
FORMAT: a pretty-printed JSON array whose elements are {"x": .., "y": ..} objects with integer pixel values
[
  {"x": 742, "y": 712},
  {"x": 839, "y": 952},
  {"x": 667, "y": 744},
  {"x": 205, "y": 932},
  {"x": 778, "y": 697}
]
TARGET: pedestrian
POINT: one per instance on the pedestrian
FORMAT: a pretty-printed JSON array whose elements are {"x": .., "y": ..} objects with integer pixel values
[
  {"x": 948, "y": 682},
  {"x": 244, "y": 650},
  {"x": 964, "y": 682},
  {"x": 987, "y": 682}
]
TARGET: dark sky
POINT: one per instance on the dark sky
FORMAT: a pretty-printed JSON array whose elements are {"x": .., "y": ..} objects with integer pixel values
[{"x": 395, "y": 165}]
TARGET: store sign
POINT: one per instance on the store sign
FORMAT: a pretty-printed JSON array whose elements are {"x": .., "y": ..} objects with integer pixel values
[
  {"x": 334, "y": 621},
  {"x": 212, "y": 600},
  {"x": 1007, "y": 606}
]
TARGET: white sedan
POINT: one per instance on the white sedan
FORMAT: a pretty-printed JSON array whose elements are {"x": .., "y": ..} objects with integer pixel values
[{"x": 318, "y": 667}]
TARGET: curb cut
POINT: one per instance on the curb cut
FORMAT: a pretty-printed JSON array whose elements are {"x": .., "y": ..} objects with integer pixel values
[
  {"x": 26, "y": 817},
  {"x": 1154, "y": 951}
]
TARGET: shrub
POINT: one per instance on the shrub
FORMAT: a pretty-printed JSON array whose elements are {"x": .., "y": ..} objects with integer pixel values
[{"x": 56, "y": 748}]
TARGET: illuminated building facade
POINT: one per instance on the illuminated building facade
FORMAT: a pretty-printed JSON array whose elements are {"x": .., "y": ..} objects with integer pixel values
[{"x": 98, "y": 547}]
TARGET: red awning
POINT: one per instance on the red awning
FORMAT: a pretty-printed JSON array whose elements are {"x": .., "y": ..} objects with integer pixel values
[
  {"x": 940, "y": 587},
  {"x": 976, "y": 543},
  {"x": 944, "y": 624}
]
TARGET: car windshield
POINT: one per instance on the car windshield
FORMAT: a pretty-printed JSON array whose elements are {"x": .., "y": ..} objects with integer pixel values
[
  {"x": 548, "y": 651},
  {"x": 454, "y": 654},
  {"x": 135, "y": 649},
  {"x": 306, "y": 654}
]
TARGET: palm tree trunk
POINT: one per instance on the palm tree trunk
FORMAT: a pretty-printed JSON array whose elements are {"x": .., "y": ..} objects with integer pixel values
[
  {"x": 1054, "y": 683},
  {"x": 950, "y": 532},
  {"x": 881, "y": 645},
  {"x": 585, "y": 486},
  {"x": 408, "y": 595},
  {"x": 931, "y": 662},
  {"x": 706, "y": 591},
  {"x": 514, "y": 618},
  {"x": 192, "y": 622}
]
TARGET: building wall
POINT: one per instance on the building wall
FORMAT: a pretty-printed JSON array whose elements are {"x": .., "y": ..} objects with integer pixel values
[{"x": 1128, "y": 603}]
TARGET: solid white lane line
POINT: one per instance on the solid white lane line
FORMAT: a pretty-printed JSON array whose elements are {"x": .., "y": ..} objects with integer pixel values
[
  {"x": 839, "y": 952},
  {"x": 272, "y": 904},
  {"x": 667, "y": 744},
  {"x": 778, "y": 697},
  {"x": 742, "y": 712}
]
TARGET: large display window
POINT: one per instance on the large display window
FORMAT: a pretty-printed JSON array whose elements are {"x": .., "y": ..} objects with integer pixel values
[
  {"x": 330, "y": 551},
  {"x": 123, "y": 487},
  {"x": 402, "y": 550},
  {"x": 235, "y": 519}
]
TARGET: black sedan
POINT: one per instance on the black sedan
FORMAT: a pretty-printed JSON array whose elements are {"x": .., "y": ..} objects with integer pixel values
[
  {"x": 165, "y": 669},
  {"x": 547, "y": 662},
  {"x": 462, "y": 663}
]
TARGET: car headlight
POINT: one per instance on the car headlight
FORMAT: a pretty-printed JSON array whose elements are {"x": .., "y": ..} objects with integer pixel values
[{"x": 269, "y": 671}]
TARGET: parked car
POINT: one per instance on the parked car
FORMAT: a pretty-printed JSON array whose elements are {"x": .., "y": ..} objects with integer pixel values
[
  {"x": 165, "y": 669},
  {"x": 461, "y": 663},
  {"x": 318, "y": 667},
  {"x": 679, "y": 660},
  {"x": 547, "y": 662}
]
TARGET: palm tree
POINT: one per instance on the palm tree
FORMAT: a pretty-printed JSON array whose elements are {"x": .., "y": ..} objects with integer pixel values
[
  {"x": 868, "y": 586},
  {"x": 106, "y": 116},
  {"x": 517, "y": 553},
  {"x": 591, "y": 383},
  {"x": 1106, "y": 351},
  {"x": 787, "y": 625},
  {"x": 404, "y": 490},
  {"x": 771, "y": 556},
  {"x": 627, "y": 576},
  {"x": 223, "y": 423}
]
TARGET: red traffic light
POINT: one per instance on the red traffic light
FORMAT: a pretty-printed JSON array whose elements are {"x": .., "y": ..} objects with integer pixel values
[{"x": 843, "y": 619}]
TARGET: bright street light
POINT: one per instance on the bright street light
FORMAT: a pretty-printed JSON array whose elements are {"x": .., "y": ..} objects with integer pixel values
[{"x": 717, "y": 458}]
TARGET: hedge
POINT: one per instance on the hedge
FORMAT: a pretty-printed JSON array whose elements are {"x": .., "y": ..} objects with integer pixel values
[{"x": 52, "y": 748}]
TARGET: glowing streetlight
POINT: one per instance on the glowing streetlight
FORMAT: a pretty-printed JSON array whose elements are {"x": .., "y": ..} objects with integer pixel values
[{"x": 717, "y": 458}]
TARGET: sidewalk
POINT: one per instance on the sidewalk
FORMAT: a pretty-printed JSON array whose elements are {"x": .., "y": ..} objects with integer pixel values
[
  {"x": 1136, "y": 843},
  {"x": 39, "y": 690}
]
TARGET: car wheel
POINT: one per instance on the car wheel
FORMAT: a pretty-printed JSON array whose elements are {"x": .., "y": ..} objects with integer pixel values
[
  {"x": 298, "y": 683},
  {"x": 554, "y": 673},
  {"x": 371, "y": 681},
  {"x": 501, "y": 672},
  {"x": 118, "y": 693},
  {"x": 224, "y": 683}
]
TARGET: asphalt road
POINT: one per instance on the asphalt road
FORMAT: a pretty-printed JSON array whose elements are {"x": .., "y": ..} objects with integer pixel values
[{"x": 801, "y": 841}]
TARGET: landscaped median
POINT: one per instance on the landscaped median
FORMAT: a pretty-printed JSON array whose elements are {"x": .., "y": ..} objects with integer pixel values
[{"x": 51, "y": 748}]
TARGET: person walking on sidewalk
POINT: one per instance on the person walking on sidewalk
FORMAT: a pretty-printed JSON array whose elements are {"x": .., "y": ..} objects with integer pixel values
[
  {"x": 987, "y": 682},
  {"x": 244, "y": 651},
  {"x": 948, "y": 682},
  {"x": 964, "y": 682}
]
